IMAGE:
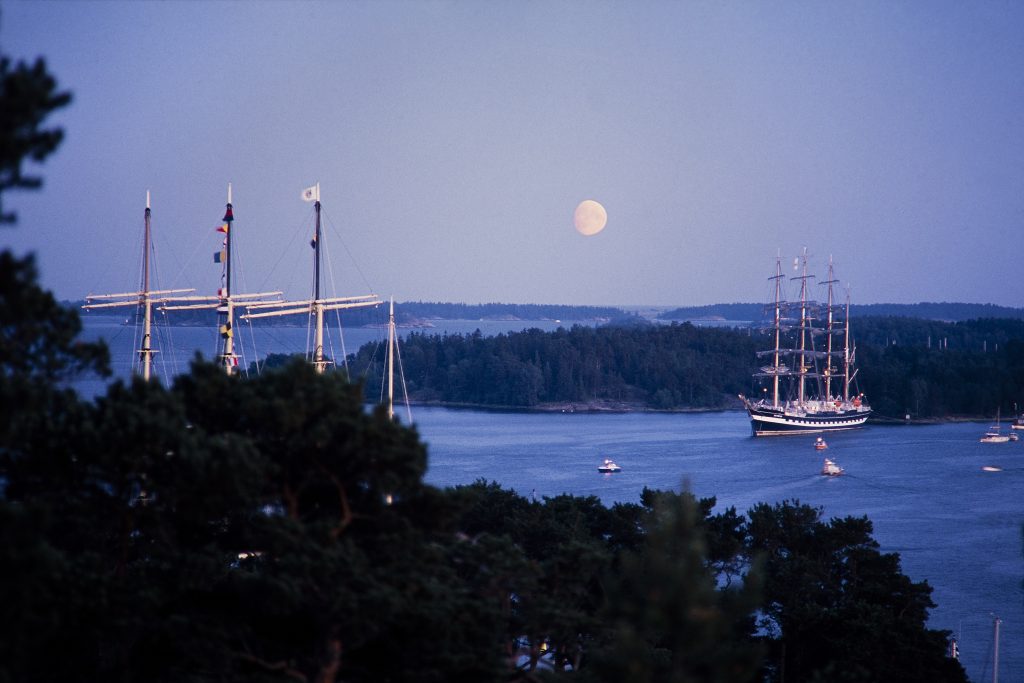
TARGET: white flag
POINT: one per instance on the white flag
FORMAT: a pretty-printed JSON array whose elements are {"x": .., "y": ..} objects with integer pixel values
[{"x": 310, "y": 194}]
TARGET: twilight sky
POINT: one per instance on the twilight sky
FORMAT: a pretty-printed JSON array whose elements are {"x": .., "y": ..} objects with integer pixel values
[{"x": 453, "y": 141}]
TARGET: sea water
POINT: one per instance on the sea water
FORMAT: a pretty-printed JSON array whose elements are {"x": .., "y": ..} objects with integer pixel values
[
  {"x": 923, "y": 487},
  {"x": 954, "y": 524}
]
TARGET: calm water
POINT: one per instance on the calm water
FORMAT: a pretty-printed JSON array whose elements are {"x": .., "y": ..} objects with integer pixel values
[{"x": 954, "y": 525}]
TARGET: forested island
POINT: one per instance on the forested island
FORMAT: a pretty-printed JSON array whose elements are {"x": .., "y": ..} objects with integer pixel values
[{"x": 922, "y": 368}]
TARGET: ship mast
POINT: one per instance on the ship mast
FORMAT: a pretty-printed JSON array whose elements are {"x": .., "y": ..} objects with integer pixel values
[
  {"x": 317, "y": 305},
  {"x": 391, "y": 360},
  {"x": 847, "y": 358},
  {"x": 829, "y": 331},
  {"x": 996, "y": 621},
  {"x": 143, "y": 298},
  {"x": 225, "y": 311},
  {"x": 224, "y": 302},
  {"x": 778, "y": 330},
  {"x": 804, "y": 324},
  {"x": 318, "y": 343},
  {"x": 146, "y": 352}
]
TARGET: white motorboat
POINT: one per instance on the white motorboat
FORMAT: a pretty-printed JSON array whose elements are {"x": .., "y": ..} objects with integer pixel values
[
  {"x": 831, "y": 469},
  {"x": 608, "y": 467}
]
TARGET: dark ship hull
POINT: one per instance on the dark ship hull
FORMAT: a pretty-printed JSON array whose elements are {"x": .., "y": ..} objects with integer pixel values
[{"x": 768, "y": 421}]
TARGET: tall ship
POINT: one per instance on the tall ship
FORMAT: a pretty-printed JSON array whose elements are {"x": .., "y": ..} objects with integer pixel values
[{"x": 807, "y": 386}]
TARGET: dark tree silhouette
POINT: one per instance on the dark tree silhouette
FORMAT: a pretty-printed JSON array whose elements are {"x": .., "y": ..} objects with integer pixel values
[{"x": 28, "y": 94}]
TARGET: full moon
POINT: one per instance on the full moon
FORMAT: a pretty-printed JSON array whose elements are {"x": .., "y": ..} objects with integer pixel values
[{"x": 590, "y": 217}]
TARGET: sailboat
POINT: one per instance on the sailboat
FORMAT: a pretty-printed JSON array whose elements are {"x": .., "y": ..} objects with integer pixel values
[
  {"x": 317, "y": 305},
  {"x": 808, "y": 392},
  {"x": 144, "y": 299},
  {"x": 1019, "y": 422},
  {"x": 995, "y": 433}
]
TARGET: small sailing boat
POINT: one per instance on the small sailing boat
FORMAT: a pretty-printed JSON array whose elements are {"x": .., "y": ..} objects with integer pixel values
[
  {"x": 831, "y": 469},
  {"x": 608, "y": 467},
  {"x": 995, "y": 433},
  {"x": 1019, "y": 422}
]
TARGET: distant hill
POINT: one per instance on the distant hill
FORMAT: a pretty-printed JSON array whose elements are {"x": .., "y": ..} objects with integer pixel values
[
  {"x": 496, "y": 311},
  {"x": 950, "y": 312},
  {"x": 408, "y": 312}
]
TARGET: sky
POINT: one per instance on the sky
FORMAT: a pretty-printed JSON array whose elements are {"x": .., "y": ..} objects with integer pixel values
[{"x": 453, "y": 141}]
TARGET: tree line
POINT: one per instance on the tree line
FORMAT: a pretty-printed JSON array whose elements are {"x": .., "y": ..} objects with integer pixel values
[
  {"x": 923, "y": 368},
  {"x": 925, "y": 310},
  {"x": 665, "y": 366}
]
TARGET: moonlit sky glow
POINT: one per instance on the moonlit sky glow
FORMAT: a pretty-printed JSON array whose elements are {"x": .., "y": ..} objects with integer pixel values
[{"x": 453, "y": 141}]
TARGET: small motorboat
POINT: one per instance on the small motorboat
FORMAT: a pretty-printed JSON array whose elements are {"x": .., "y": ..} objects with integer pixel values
[
  {"x": 819, "y": 444},
  {"x": 608, "y": 467},
  {"x": 831, "y": 469}
]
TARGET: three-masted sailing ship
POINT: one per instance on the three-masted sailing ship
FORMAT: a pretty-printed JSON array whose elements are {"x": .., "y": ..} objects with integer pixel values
[{"x": 809, "y": 388}]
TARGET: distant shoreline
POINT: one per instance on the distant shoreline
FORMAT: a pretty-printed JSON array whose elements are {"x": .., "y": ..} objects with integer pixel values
[{"x": 605, "y": 407}]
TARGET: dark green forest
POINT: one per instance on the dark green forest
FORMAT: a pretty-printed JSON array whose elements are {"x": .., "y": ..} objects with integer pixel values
[
  {"x": 661, "y": 366},
  {"x": 923, "y": 368}
]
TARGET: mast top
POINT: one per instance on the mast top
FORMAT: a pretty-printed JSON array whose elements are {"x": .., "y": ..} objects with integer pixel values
[
  {"x": 147, "y": 199},
  {"x": 228, "y": 214}
]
